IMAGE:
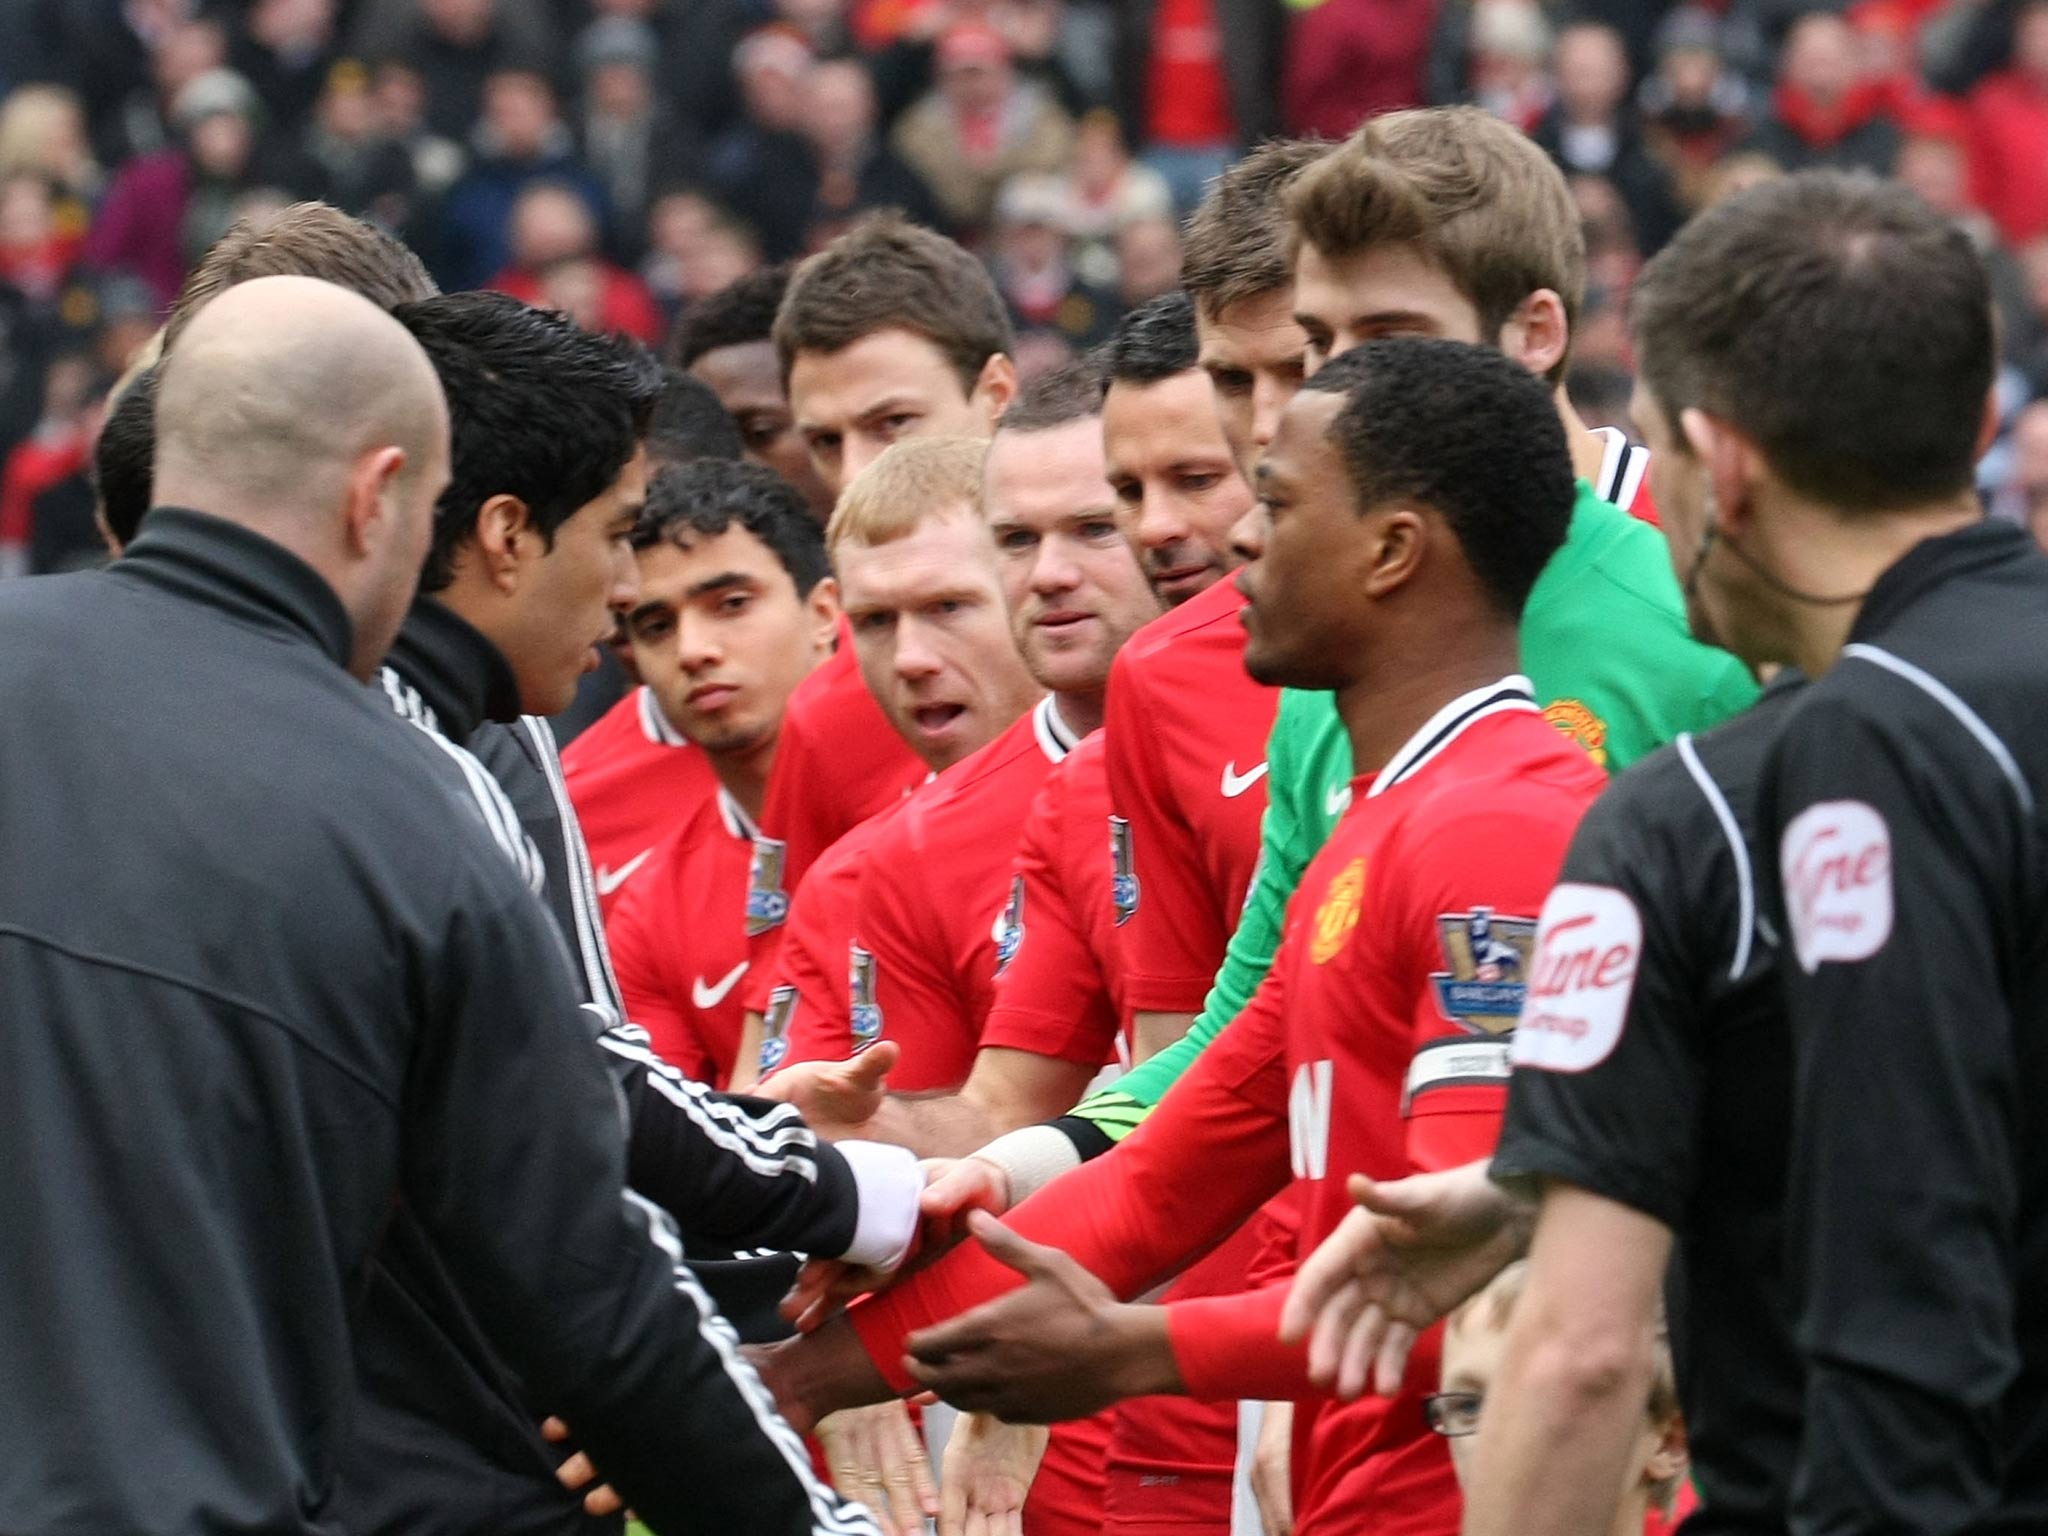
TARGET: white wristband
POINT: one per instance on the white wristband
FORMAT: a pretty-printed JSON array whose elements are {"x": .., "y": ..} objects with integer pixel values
[
  {"x": 1032, "y": 1158},
  {"x": 890, "y": 1181}
]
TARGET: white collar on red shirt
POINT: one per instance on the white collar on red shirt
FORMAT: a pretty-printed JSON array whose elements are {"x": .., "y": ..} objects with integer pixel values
[
  {"x": 1623, "y": 465},
  {"x": 735, "y": 817},
  {"x": 1512, "y": 694},
  {"x": 1056, "y": 738},
  {"x": 655, "y": 723}
]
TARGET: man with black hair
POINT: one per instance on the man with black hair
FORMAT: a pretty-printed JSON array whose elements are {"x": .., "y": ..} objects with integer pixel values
[
  {"x": 690, "y": 423},
  {"x": 736, "y": 606},
  {"x": 728, "y": 341},
  {"x": 528, "y": 551},
  {"x": 1416, "y": 491},
  {"x": 122, "y": 458}
]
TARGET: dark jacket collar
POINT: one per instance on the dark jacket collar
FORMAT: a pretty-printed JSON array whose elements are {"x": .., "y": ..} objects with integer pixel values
[
  {"x": 458, "y": 674},
  {"x": 226, "y": 566},
  {"x": 1933, "y": 562}
]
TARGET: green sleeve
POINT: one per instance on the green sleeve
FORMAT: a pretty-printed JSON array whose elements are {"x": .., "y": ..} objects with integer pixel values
[{"x": 1289, "y": 838}]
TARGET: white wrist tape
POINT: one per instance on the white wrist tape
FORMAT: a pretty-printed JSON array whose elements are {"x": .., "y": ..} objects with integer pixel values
[{"x": 1032, "y": 1158}]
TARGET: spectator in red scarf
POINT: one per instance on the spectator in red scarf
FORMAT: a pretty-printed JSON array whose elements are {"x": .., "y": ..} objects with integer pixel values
[
  {"x": 552, "y": 226},
  {"x": 1824, "y": 114},
  {"x": 2009, "y": 133}
]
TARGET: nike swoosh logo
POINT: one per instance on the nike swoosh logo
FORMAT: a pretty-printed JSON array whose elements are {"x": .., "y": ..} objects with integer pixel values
[
  {"x": 1339, "y": 800},
  {"x": 609, "y": 880},
  {"x": 1235, "y": 783},
  {"x": 713, "y": 995}
]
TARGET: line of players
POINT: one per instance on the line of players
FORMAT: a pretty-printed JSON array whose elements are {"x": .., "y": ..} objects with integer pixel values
[{"x": 942, "y": 792}]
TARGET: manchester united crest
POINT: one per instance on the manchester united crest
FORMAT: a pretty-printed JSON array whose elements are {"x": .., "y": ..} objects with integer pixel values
[
  {"x": 767, "y": 901},
  {"x": 1488, "y": 956},
  {"x": 1582, "y": 725},
  {"x": 1336, "y": 917},
  {"x": 865, "y": 1015},
  {"x": 1123, "y": 880}
]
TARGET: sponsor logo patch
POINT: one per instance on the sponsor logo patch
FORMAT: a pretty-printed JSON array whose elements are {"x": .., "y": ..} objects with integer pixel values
[
  {"x": 1589, "y": 946},
  {"x": 1836, "y": 862},
  {"x": 775, "y": 1028},
  {"x": 1009, "y": 928},
  {"x": 1123, "y": 881},
  {"x": 1488, "y": 960},
  {"x": 1337, "y": 917},
  {"x": 865, "y": 1015},
  {"x": 767, "y": 901}
]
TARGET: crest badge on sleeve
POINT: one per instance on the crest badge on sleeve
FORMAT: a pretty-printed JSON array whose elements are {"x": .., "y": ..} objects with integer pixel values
[
  {"x": 767, "y": 901},
  {"x": 1488, "y": 960},
  {"x": 1123, "y": 881},
  {"x": 1009, "y": 928},
  {"x": 865, "y": 1015}
]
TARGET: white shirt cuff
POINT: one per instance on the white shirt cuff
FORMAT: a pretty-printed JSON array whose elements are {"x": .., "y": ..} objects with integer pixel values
[{"x": 890, "y": 1181}]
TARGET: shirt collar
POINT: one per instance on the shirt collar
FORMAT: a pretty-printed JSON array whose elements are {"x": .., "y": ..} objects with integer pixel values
[
  {"x": 226, "y": 566},
  {"x": 1511, "y": 694},
  {"x": 1055, "y": 737},
  {"x": 1933, "y": 562},
  {"x": 655, "y": 724},
  {"x": 457, "y": 673},
  {"x": 735, "y": 817}
]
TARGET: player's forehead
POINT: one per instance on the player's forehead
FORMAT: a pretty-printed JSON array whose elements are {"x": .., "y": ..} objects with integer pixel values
[
  {"x": 830, "y": 390},
  {"x": 946, "y": 555},
  {"x": 1149, "y": 427},
  {"x": 746, "y": 369},
  {"x": 1251, "y": 333},
  {"x": 1379, "y": 284},
  {"x": 1043, "y": 478}
]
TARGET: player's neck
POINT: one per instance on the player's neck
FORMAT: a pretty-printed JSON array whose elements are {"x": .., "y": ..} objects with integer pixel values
[
  {"x": 1080, "y": 713},
  {"x": 1589, "y": 450},
  {"x": 744, "y": 775},
  {"x": 1399, "y": 694}
]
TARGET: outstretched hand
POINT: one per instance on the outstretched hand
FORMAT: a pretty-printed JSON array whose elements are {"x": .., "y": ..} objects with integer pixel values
[
  {"x": 1414, "y": 1249},
  {"x": 836, "y": 1098}
]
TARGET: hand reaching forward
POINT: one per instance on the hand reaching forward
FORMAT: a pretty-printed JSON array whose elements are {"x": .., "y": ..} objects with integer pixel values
[{"x": 986, "y": 1476}]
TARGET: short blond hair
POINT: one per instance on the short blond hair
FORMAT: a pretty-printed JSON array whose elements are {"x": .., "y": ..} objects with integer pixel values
[
  {"x": 911, "y": 482},
  {"x": 1494, "y": 1307},
  {"x": 1473, "y": 194}
]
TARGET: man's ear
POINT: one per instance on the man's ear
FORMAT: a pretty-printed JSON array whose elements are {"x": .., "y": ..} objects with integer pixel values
[
  {"x": 1731, "y": 462},
  {"x": 1673, "y": 1454},
  {"x": 997, "y": 385},
  {"x": 372, "y": 509},
  {"x": 1395, "y": 550},
  {"x": 822, "y": 613},
  {"x": 1538, "y": 335},
  {"x": 504, "y": 540}
]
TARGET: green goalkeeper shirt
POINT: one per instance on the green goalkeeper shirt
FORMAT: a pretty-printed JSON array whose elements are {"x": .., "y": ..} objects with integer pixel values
[{"x": 1605, "y": 643}]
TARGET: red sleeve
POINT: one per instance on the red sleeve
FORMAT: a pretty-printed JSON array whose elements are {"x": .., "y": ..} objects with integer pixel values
[
  {"x": 1212, "y": 1152},
  {"x": 1174, "y": 937},
  {"x": 922, "y": 999},
  {"x": 1229, "y": 1347},
  {"x": 813, "y": 961},
  {"x": 651, "y": 996},
  {"x": 1050, "y": 996}
]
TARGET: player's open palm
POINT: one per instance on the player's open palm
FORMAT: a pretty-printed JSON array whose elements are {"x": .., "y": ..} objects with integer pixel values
[
  {"x": 1413, "y": 1250},
  {"x": 986, "y": 1476},
  {"x": 877, "y": 1456},
  {"x": 836, "y": 1098}
]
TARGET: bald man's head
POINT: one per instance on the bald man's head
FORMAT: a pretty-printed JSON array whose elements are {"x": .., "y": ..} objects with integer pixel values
[{"x": 307, "y": 414}]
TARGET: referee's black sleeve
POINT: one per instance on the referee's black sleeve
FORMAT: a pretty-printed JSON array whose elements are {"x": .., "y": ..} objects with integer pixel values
[
  {"x": 513, "y": 1158},
  {"x": 1902, "y": 1201}
]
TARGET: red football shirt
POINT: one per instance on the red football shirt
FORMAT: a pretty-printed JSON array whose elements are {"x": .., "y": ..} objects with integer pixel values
[
  {"x": 1377, "y": 1045},
  {"x": 1058, "y": 991},
  {"x": 678, "y": 945},
  {"x": 837, "y": 762},
  {"x": 934, "y": 908},
  {"x": 1624, "y": 478},
  {"x": 1186, "y": 732},
  {"x": 633, "y": 780}
]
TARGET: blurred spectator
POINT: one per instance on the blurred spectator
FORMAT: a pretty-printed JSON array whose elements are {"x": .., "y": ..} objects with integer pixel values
[
  {"x": 456, "y": 46},
  {"x": 1104, "y": 191},
  {"x": 283, "y": 49},
  {"x": 1695, "y": 109},
  {"x": 555, "y": 263},
  {"x": 58, "y": 449},
  {"x": 1823, "y": 115},
  {"x": 1592, "y": 130},
  {"x": 631, "y": 142},
  {"x": 754, "y": 163},
  {"x": 37, "y": 254},
  {"x": 1507, "y": 51},
  {"x": 521, "y": 141},
  {"x": 1738, "y": 173},
  {"x": 1613, "y": 257},
  {"x": 2009, "y": 123},
  {"x": 1200, "y": 79},
  {"x": 980, "y": 126},
  {"x": 141, "y": 122},
  {"x": 42, "y": 133},
  {"x": 164, "y": 210},
  {"x": 400, "y": 94},
  {"x": 1037, "y": 280},
  {"x": 696, "y": 41},
  {"x": 1934, "y": 160},
  {"x": 1148, "y": 255},
  {"x": 2024, "y": 496},
  {"x": 1350, "y": 59},
  {"x": 852, "y": 171},
  {"x": 355, "y": 165},
  {"x": 696, "y": 248},
  {"x": 124, "y": 319}
]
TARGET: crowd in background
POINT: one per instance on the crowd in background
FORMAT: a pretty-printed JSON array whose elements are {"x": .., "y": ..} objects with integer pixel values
[{"x": 622, "y": 159}]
